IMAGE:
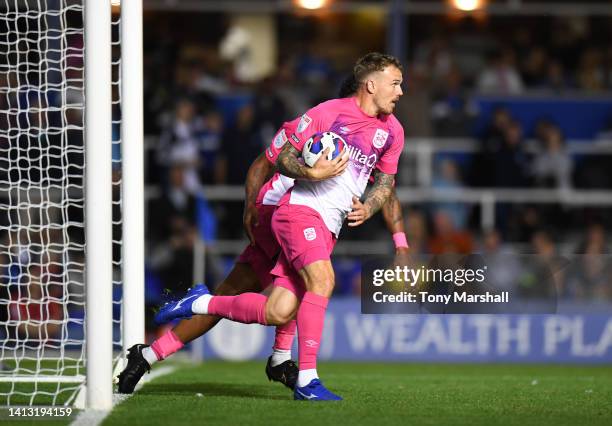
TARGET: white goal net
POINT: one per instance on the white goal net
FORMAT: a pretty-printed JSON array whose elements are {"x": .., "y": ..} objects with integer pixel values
[{"x": 42, "y": 201}]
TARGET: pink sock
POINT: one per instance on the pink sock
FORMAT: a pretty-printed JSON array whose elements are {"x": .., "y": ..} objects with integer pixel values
[
  {"x": 310, "y": 319},
  {"x": 284, "y": 336},
  {"x": 166, "y": 345},
  {"x": 246, "y": 308}
]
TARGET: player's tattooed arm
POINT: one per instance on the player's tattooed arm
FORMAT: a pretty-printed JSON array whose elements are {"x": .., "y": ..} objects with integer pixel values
[
  {"x": 378, "y": 195},
  {"x": 289, "y": 165},
  {"x": 392, "y": 212},
  {"x": 394, "y": 219},
  {"x": 258, "y": 173}
]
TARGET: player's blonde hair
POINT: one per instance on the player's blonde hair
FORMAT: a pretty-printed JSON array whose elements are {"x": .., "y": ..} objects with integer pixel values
[{"x": 372, "y": 62}]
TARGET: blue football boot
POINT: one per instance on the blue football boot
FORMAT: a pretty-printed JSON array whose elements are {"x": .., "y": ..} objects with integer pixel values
[
  {"x": 180, "y": 309},
  {"x": 314, "y": 391}
]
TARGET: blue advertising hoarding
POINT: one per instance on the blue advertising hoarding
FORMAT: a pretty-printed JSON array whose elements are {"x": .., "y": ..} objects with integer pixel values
[{"x": 350, "y": 335}]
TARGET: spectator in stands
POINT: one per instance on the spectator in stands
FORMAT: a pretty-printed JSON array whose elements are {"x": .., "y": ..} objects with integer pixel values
[
  {"x": 434, "y": 58},
  {"x": 534, "y": 67},
  {"x": 179, "y": 143},
  {"x": 447, "y": 238},
  {"x": 590, "y": 75},
  {"x": 501, "y": 75},
  {"x": 241, "y": 144},
  {"x": 494, "y": 135},
  {"x": 209, "y": 138},
  {"x": 503, "y": 264},
  {"x": 416, "y": 231},
  {"x": 545, "y": 249},
  {"x": 511, "y": 161},
  {"x": 510, "y": 169},
  {"x": 590, "y": 276},
  {"x": 542, "y": 275},
  {"x": 448, "y": 178},
  {"x": 312, "y": 67},
  {"x": 482, "y": 167},
  {"x": 552, "y": 166},
  {"x": 36, "y": 307},
  {"x": 172, "y": 232},
  {"x": 556, "y": 79},
  {"x": 452, "y": 111},
  {"x": 269, "y": 109}
]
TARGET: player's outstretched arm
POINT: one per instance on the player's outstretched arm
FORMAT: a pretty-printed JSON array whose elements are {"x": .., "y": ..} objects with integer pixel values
[
  {"x": 378, "y": 195},
  {"x": 259, "y": 172},
  {"x": 394, "y": 219},
  {"x": 289, "y": 165}
]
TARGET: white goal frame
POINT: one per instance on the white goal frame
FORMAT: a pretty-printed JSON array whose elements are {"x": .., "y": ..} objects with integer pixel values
[{"x": 98, "y": 118}]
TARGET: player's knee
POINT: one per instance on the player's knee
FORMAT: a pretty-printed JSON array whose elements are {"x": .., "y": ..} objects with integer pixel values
[
  {"x": 279, "y": 315},
  {"x": 322, "y": 284},
  {"x": 323, "y": 287}
]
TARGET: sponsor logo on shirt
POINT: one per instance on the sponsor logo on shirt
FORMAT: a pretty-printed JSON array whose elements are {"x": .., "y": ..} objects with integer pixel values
[
  {"x": 280, "y": 139},
  {"x": 380, "y": 137},
  {"x": 310, "y": 234},
  {"x": 358, "y": 156},
  {"x": 304, "y": 123},
  {"x": 295, "y": 138},
  {"x": 270, "y": 153}
]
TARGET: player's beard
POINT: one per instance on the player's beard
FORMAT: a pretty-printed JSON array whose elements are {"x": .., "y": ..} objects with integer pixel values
[
  {"x": 386, "y": 108},
  {"x": 389, "y": 109}
]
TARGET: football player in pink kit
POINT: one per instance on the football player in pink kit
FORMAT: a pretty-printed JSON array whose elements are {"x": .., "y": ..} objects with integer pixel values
[
  {"x": 310, "y": 215},
  {"x": 250, "y": 273}
]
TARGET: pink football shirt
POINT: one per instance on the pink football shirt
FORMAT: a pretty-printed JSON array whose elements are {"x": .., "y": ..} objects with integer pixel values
[{"x": 372, "y": 142}]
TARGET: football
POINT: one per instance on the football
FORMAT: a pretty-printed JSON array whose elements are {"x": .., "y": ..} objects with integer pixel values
[{"x": 318, "y": 143}]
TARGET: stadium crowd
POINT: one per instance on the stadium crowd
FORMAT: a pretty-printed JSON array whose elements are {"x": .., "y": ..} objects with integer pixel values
[{"x": 207, "y": 122}]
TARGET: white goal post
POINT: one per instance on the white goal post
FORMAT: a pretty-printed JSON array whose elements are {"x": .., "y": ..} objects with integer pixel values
[{"x": 71, "y": 243}]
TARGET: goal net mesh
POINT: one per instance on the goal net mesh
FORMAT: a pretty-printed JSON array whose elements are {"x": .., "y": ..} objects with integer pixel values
[{"x": 42, "y": 227}]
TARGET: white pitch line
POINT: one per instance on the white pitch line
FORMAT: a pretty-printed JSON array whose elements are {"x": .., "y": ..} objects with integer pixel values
[{"x": 96, "y": 417}]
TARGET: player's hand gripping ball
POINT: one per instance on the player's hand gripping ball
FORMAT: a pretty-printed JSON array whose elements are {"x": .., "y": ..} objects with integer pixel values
[{"x": 318, "y": 143}]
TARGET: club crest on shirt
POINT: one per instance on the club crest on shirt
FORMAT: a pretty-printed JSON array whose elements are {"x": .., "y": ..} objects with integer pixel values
[
  {"x": 310, "y": 234},
  {"x": 380, "y": 137},
  {"x": 280, "y": 139},
  {"x": 304, "y": 123}
]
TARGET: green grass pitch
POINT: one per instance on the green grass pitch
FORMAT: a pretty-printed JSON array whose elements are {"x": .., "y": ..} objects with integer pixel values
[{"x": 377, "y": 394}]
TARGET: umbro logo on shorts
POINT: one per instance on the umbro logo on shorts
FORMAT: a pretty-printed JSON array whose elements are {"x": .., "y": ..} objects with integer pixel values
[{"x": 310, "y": 234}]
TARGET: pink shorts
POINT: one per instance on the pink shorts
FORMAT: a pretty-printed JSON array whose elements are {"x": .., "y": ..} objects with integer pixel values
[
  {"x": 303, "y": 238},
  {"x": 263, "y": 255}
]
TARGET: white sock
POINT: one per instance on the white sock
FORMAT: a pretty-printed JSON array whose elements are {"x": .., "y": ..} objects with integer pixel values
[
  {"x": 200, "y": 305},
  {"x": 279, "y": 356},
  {"x": 306, "y": 376},
  {"x": 150, "y": 355}
]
